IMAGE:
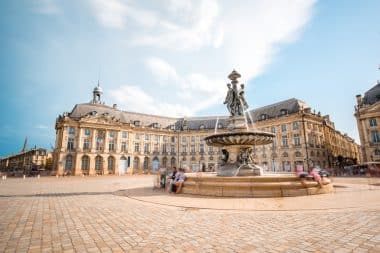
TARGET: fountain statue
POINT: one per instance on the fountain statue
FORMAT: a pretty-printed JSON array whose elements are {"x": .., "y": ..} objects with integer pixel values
[{"x": 238, "y": 142}]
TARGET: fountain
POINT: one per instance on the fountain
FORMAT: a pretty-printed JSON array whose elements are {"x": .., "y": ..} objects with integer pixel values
[
  {"x": 238, "y": 142},
  {"x": 237, "y": 174}
]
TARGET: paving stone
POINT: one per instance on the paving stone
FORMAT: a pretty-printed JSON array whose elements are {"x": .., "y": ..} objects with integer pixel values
[{"x": 91, "y": 217}]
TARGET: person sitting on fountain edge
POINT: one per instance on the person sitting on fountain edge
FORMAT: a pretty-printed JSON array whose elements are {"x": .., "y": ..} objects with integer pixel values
[{"x": 179, "y": 179}]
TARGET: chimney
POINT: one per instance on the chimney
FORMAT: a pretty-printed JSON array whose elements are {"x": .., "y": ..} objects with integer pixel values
[{"x": 359, "y": 99}]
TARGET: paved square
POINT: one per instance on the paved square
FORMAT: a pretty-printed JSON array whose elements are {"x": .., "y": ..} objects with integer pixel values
[{"x": 124, "y": 214}]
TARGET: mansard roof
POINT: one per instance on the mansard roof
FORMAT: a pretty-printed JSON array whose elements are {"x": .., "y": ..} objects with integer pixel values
[
  {"x": 189, "y": 123},
  {"x": 278, "y": 109},
  {"x": 81, "y": 110},
  {"x": 372, "y": 95}
]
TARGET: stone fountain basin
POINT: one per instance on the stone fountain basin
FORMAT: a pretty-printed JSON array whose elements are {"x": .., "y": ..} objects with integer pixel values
[
  {"x": 252, "y": 186},
  {"x": 248, "y": 138}
]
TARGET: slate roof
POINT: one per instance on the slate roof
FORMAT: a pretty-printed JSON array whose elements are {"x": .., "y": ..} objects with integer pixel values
[
  {"x": 192, "y": 123},
  {"x": 81, "y": 110},
  {"x": 274, "y": 110},
  {"x": 372, "y": 95}
]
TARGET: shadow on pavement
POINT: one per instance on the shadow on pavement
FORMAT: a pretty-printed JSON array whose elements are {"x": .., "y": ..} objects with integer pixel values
[{"x": 60, "y": 194}]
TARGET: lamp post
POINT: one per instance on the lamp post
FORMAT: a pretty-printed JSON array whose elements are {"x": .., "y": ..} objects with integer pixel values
[{"x": 304, "y": 136}]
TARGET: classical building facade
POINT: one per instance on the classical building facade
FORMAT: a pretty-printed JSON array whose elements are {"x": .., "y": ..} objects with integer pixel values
[
  {"x": 367, "y": 113},
  {"x": 98, "y": 139}
]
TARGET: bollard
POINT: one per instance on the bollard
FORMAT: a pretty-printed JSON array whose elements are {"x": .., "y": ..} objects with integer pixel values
[
  {"x": 38, "y": 176},
  {"x": 57, "y": 176},
  {"x": 24, "y": 177}
]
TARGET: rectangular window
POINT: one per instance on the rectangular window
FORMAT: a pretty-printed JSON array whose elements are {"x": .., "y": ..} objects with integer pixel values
[
  {"x": 297, "y": 140},
  {"x": 137, "y": 136},
  {"x": 86, "y": 144},
  {"x": 284, "y": 141},
  {"x": 172, "y": 139},
  {"x": 184, "y": 148},
  {"x": 210, "y": 149},
  {"x": 283, "y": 128},
  {"x": 295, "y": 125},
  {"x": 192, "y": 138},
  {"x": 146, "y": 148},
  {"x": 124, "y": 146},
  {"x": 70, "y": 144},
  {"x": 156, "y": 138},
  {"x": 155, "y": 147},
  {"x": 273, "y": 130},
  {"x": 165, "y": 138},
  {"x": 87, "y": 132},
  {"x": 71, "y": 130},
  {"x": 202, "y": 148},
  {"x": 375, "y": 136},
  {"x": 111, "y": 145},
  {"x": 163, "y": 148},
  {"x": 172, "y": 149},
  {"x": 112, "y": 133},
  {"x": 183, "y": 138},
  {"x": 192, "y": 149},
  {"x": 372, "y": 122},
  {"x": 137, "y": 147},
  {"x": 147, "y": 137},
  {"x": 124, "y": 134},
  {"x": 99, "y": 143}
]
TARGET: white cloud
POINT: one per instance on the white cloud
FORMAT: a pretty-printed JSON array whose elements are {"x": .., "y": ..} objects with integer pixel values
[
  {"x": 191, "y": 93},
  {"x": 201, "y": 39},
  {"x": 133, "y": 98},
  {"x": 110, "y": 13},
  {"x": 161, "y": 70}
]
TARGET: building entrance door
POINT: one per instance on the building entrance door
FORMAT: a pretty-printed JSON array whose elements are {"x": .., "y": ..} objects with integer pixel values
[{"x": 123, "y": 165}]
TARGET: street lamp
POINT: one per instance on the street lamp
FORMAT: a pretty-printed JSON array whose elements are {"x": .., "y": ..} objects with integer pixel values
[{"x": 304, "y": 136}]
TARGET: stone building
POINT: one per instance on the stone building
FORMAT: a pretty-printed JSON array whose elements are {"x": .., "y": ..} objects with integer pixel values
[
  {"x": 367, "y": 113},
  {"x": 98, "y": 139},
  {"x": 26, "y": 162}
]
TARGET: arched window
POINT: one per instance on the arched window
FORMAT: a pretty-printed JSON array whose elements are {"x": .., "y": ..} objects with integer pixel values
[
  {"x": 69, "y": 162},
  {"x": 298, "y": 154},
  {"x": 285, "y": 154},
  {"x": 146, "y": 163},
  {"x": 111, "y": 165},
  {"x": 98, "y": 165},
  {"x": 85, "y": 164}
]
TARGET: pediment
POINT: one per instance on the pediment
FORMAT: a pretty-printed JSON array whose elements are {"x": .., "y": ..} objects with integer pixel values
[{"x": 375, "y": 108}]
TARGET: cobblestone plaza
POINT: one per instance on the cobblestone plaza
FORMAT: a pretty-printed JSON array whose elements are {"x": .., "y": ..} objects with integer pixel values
[{"x": 125, "y": 214}]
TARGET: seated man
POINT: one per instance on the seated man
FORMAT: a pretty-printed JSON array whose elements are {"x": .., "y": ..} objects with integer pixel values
[
  {"x": 180, "y": 178},
  {"x": 171, "y": 178}
]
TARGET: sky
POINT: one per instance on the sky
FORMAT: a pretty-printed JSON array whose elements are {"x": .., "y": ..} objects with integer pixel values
[{"x": 172, "y": 58}]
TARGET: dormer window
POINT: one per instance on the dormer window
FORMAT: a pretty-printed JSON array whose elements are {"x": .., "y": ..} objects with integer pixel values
[
  {"x": 156, "y": 125},
  {"x": 283, "y": 112},
  {"x": 172, "y": 127},
  {"x": 220, "y": 125},
  {"x": 263, "y": 116},
  {"x": 137, "y": 123},
  {"x": 202, "y": 126}
]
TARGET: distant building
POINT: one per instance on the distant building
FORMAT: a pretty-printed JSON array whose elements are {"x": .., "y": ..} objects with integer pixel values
[
  {"x": 367, "y": 113},
  {"x": 26, "y": 162},
  {"x": 98, "y": 139}
]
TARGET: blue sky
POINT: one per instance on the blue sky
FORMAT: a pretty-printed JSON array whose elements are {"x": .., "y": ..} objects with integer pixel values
[{"x": 172, "y": 57}]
